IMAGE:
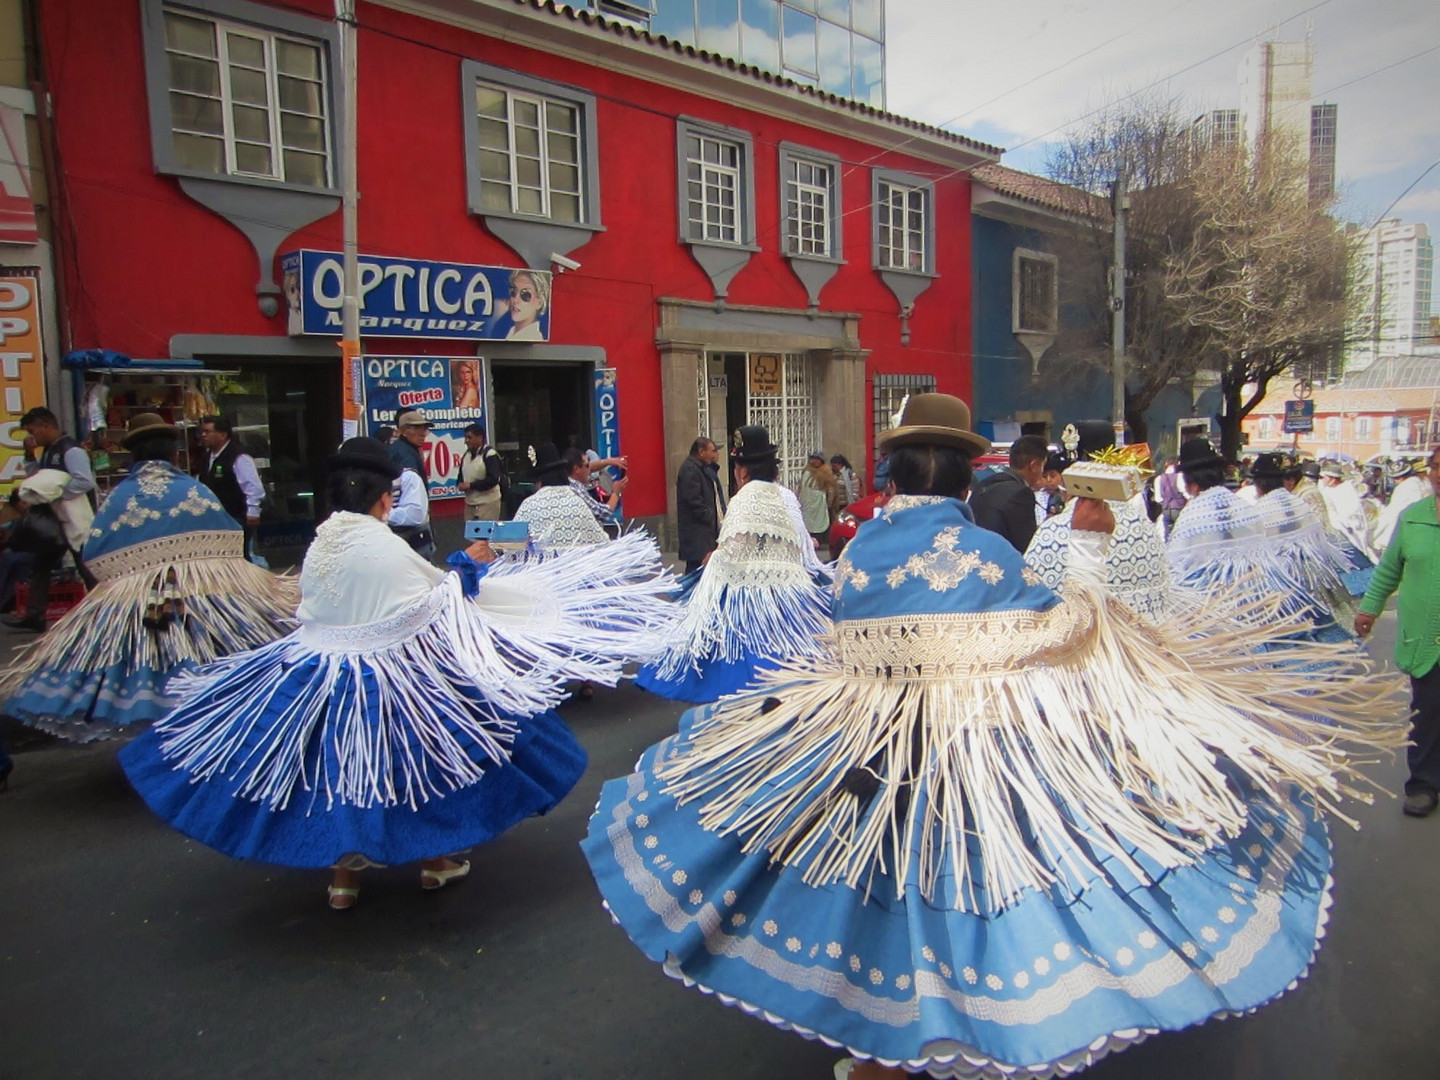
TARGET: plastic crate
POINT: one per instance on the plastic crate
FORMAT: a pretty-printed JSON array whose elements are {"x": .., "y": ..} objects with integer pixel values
[{"x": 64, "y": 595}]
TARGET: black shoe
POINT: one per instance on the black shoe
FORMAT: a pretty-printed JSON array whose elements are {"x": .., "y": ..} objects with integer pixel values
[
  {"x": 26, "y": 622},
  {"x": 1421, "y": 803}
]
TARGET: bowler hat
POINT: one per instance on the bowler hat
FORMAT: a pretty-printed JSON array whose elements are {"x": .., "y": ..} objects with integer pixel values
[
  {"x": 363, "y": 452},
  {"x": 145, "y": 424},
  {"x": 1199, "y": 454},
  {"x": 1332, "y": 469},
  {"x": 751, "y": 445},
  {"x": 1268, "y": 467},
  {"x": 935, "y": 420},
  {"x": 545, "y": 460}
]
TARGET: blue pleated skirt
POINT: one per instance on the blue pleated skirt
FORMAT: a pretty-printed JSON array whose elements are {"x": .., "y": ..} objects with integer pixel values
[{"x": 1048, "y": 983}]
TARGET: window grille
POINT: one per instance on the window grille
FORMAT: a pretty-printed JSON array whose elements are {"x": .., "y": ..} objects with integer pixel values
[
  {"x": 791, "y": 416},
  {"x": 890, "y": 392},
  {"x": 712, "y": 175},
  {"x": 808, "y": 192}
]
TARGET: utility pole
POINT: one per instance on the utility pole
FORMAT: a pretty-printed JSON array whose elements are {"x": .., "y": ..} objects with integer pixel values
[
  {"x": 350, "y": 267},
  {"x": 1120, "y": 205}
]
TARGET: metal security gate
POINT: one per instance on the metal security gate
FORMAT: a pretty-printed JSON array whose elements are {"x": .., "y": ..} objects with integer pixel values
[{"x": 782, "y": 398}]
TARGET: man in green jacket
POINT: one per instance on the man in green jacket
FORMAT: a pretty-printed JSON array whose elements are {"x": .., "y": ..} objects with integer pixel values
[{"x": 1411, "y": 564}]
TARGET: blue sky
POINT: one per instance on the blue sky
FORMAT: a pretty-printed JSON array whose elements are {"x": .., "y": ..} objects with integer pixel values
[{"x": 985, "y": 69}]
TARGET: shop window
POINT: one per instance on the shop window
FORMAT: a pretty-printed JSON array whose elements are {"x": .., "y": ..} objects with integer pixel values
[
  {"x": 242, "y": 101},
  {"x": 890, "y": 392},
  {"x": 531, "y": 147},
  {"x": 1034, "y": 298},
  {"x": 904, "y": 226}
]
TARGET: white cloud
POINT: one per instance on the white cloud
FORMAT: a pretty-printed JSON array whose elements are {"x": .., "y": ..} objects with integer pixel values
[{"x": 1419, "y": 202}]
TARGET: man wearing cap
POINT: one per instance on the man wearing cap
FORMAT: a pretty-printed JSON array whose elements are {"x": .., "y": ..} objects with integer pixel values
[
  {"x": 1004, "y": 502},
  {"x": 1411, "y": 567},
  {"x": 412, "y": 428}
]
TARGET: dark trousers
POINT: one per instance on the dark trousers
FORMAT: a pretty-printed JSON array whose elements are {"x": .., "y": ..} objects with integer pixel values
[
  {"x": 691, "y": 565},
  {"x": 46, "y": 564},
  {"x": 14, "y": 568},
  {"x": 1424, "y": 756}
]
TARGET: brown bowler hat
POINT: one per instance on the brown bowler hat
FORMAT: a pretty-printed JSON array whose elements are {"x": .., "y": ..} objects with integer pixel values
[
  {"x": 935, "y": 420},
  {"x": 147, "y": 423}
]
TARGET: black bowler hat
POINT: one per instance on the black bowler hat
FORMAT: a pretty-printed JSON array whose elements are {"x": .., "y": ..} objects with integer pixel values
[
  {"x": 751, "y": 445},
  {"x": 365, "y": 453},
  {"x": 545, "y": 459},
  {"x": 1199, "y": 454},
  {"x": 1268, "y": 467}
]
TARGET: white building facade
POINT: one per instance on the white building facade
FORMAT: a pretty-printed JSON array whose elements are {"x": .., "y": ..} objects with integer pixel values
[{"x": 1394, "y": 273}]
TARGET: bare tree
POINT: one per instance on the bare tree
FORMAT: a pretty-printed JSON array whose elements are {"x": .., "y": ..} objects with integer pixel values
[
  {"x": 1262, "y": 282},
  {"x": 1148, "y": 140},
  {"x": 1232, "y": 268}
]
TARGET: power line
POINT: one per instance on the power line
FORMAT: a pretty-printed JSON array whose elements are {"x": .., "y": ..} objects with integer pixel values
[
  {"x": 1377, "y": 71},
  {"x": 1407, "y": 191}
]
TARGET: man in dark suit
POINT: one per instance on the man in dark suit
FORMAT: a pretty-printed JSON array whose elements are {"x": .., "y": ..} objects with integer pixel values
[
  {"x": 699, "y": 503},
  {"x": 1004, "y": 503}
]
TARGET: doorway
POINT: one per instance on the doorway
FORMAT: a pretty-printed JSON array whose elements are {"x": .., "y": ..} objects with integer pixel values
[{"x": 537, "y": 403}]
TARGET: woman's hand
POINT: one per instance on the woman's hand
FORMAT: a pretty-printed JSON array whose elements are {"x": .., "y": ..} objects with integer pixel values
[
  {"x": 1364, "y": 623},
  {"x": 481, "y": 551}
]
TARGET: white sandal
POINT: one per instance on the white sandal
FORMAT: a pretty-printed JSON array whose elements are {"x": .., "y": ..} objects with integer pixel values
[{"x": 438, "y": 879}]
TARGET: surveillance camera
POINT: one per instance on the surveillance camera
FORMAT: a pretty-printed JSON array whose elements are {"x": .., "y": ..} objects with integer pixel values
[{"x": 563, "y": 263}]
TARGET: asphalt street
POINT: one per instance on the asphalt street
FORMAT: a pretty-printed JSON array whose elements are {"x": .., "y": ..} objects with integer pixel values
[{"x": 127, "y": 951}]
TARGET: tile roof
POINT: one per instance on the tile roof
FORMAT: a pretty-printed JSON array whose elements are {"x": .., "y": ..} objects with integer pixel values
[
  {"x": 660, "y": 43},
  {"x": 1027, "y": 187}
]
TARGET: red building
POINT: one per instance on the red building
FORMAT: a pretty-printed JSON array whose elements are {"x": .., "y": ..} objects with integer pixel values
[{"x": 740, "y": 248}]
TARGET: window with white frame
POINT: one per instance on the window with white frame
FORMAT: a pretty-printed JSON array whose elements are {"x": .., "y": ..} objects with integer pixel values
[
  {"x": 1364, "y": 428},
  {"x": 902, "y": 216},
  {"x": 810, "y": 199},
  {"x": 530, "y": 154},
  {"x": 904, "y": 225},
  {"x": 246, "y": 102},
  {"x": 1035, "y": 296},
  {"x": 713, "y": 179},
  {"x": 1332, "y": 428},
  {"x": 1267, "y": 428}
]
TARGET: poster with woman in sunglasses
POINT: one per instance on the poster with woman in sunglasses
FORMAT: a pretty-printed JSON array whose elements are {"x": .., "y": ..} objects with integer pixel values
[{"x": 526, "y": 316}]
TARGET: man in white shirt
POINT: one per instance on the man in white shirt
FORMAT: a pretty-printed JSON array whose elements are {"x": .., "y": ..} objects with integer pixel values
[
  {"x": 410, "y": 513},
  {"x": 231, "y": 476}
]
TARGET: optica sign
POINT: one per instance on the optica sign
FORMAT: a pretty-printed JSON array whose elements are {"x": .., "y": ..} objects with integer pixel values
[
  {"x": 414, "y": 298},
  {"x": 22, "y": 374}
]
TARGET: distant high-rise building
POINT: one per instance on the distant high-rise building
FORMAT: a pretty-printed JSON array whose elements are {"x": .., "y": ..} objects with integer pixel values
[
  {"x": 1323, "y": 120},
  {"x": 837, "y": 45},
  {"x": 1394, "y": 272},
  {"x": 1275, "y": 80}
]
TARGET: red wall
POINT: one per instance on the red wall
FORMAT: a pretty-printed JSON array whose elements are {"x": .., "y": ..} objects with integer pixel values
[{"x": 144, "y": 262}]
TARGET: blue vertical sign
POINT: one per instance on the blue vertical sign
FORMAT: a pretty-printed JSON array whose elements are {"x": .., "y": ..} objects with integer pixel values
[{"x": 607, "y": 414}]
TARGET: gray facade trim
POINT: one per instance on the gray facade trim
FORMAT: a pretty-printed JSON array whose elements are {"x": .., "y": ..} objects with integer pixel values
[
  {"x": 260, "y": 347},
  {"x": 814, "y": 271},
  {"x": 905, "y": 285},
  {"x": 266, "y": 211},
  {"x": 757, "y": 320},
  {"x": 515, "y": 352},
  {"x": 533, "y": 238},
  {"x": 720, "y": 261},
  {"x": 157, "y": 77}
]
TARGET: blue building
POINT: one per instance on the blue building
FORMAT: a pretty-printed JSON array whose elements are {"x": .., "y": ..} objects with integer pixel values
[
  {"x": 836, "y": 45},
  {"x": 1033, "y": 362}
]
